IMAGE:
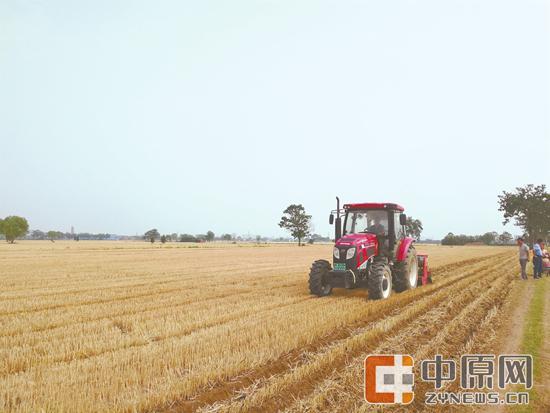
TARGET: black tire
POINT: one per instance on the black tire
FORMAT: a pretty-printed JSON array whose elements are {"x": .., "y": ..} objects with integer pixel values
[
  {"x": 405, "y": 274},
  {"x": 379, "y": 281},
  {"x": 319, "y": 278}
]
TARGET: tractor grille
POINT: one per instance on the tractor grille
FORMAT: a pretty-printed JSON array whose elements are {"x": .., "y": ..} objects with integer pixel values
[
  {"x": 341, "y": 264},
  {"x": 343, "y": 252}
]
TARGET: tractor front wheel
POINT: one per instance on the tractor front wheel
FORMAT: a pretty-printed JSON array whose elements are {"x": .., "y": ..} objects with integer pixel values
[
  {"x": 379, "y": 280},
  {"x": 319, "y": 278},
  {"x": 406, "y": 272}
]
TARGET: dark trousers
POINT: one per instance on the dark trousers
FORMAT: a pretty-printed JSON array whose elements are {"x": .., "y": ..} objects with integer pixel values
[{"x": 537, "y": 266}]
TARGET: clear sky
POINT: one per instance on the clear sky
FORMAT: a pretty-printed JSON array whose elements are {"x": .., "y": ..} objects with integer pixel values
[{"x": 120, "y": 116}]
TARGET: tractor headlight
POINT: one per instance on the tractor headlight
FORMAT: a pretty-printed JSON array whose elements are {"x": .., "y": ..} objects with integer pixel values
[
  {"x": 336, "y": 253},
  {"x": 350, "y": 254}
]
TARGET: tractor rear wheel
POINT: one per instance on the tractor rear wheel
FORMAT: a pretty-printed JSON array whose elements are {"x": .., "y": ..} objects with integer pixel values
[
  {"x": 319, "y": 279},
  {"x": 406, "y": 272},
  {"x": 379, "y": 280}
]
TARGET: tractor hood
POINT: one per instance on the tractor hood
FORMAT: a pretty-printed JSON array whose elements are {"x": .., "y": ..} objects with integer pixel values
[{"x": 355, "y": 240}]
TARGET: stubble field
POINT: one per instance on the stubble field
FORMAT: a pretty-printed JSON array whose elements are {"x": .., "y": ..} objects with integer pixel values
[{"x": 130, "y": 327}]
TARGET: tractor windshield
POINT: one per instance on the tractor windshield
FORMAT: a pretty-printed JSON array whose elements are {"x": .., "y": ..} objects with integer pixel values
[{"x": 371, "y": 220}]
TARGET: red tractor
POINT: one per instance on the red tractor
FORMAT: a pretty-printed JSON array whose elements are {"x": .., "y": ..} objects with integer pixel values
[{"x": 372, "y": 252}]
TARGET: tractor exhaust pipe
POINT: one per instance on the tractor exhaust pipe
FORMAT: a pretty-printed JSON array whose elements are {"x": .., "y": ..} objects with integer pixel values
[{"x": 338, "y": 222}]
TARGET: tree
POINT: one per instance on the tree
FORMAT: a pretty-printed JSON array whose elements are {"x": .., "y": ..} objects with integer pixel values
[
  {"x": 226, "y": 237},
  {"x": 210, "y": 236},
  {"x": 151, "y": 235},
  {"x": 449, "y": 239},
  {"x": 489, "y": 238},
  {"x": 505, "y": 238},
  {"x": 413, "y": 228},
  {"x": 163, "y": 239},
  {"x": 296, "y": 221},
  {"x": 452, "y": 239},
  {"x": 319, "y": 238},
  {"x": 258, "y": 238},
  {"x": 187, "y": 238},
  {"x": 529, "y": 206},
  {"x": 37, "y": 234},
  {"x": 13, "y": 227},
  {"x": 53, "y": 235}
]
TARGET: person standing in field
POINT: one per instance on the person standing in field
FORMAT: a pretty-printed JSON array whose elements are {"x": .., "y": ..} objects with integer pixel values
[
  {"x": 545, "y": 259},
  {"x": 523, "y": 257},
  {"x": 537, "y": 259}
]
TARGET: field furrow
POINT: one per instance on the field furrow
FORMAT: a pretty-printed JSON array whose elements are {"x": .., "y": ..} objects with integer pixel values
[
  {"x": 297, "y": 382},
  {"x": 446, "y": 329}
]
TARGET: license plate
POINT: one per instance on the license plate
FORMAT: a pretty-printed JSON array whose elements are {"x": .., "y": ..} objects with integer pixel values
[{"x": 339, "y": 266}]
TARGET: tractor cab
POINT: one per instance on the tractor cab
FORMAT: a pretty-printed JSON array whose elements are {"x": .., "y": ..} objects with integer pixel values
[
  {"x": 371, "y": 250},
  {"x": 379, "y": 226},
  {"x": 385, "y": 221}
]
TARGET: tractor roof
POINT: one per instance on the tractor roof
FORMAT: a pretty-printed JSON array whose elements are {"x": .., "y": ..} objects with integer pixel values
[{"x": 374, "y": 205}]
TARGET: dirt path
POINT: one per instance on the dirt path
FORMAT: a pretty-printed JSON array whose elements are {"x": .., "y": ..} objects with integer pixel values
[
  {"x": 522, "y": 294},
  {"x": 512, "y": 323},
  {"x": 513, "y": 333},
  {"x": 545, "y": 355}
]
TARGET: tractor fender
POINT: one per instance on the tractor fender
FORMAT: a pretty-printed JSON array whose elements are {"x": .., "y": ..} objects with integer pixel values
[{"x": 404, "y": 246}]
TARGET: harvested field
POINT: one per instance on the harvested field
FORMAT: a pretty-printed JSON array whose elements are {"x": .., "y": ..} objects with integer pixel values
[{"x": 122, "y": 326}]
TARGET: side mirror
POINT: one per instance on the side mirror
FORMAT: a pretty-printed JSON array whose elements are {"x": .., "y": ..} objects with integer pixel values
[
  {"x": 331, "y": 219},
  {"x": 403, "y": 219}
]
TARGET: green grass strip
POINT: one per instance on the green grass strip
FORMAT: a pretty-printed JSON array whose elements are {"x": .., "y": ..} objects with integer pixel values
[{"x": 533, "y": 340}]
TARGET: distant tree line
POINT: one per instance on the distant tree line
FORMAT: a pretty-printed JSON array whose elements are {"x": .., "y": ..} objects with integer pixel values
[
  {"x": 318, "y": 238},
  {"x": 59, "y": 235},
  {"x": 15, "y": 227},
  {"x": 489, "y": 238},
  {"x": 153, "y": 235}
]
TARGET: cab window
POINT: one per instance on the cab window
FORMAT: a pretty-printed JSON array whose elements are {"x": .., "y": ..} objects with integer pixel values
[{"x": 399, "y": 229}]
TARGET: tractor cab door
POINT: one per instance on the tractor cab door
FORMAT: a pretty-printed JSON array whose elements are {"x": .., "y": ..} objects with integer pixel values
[
  {"x": 396, "y": 231},
  {"x": 399, "y": 229}
]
